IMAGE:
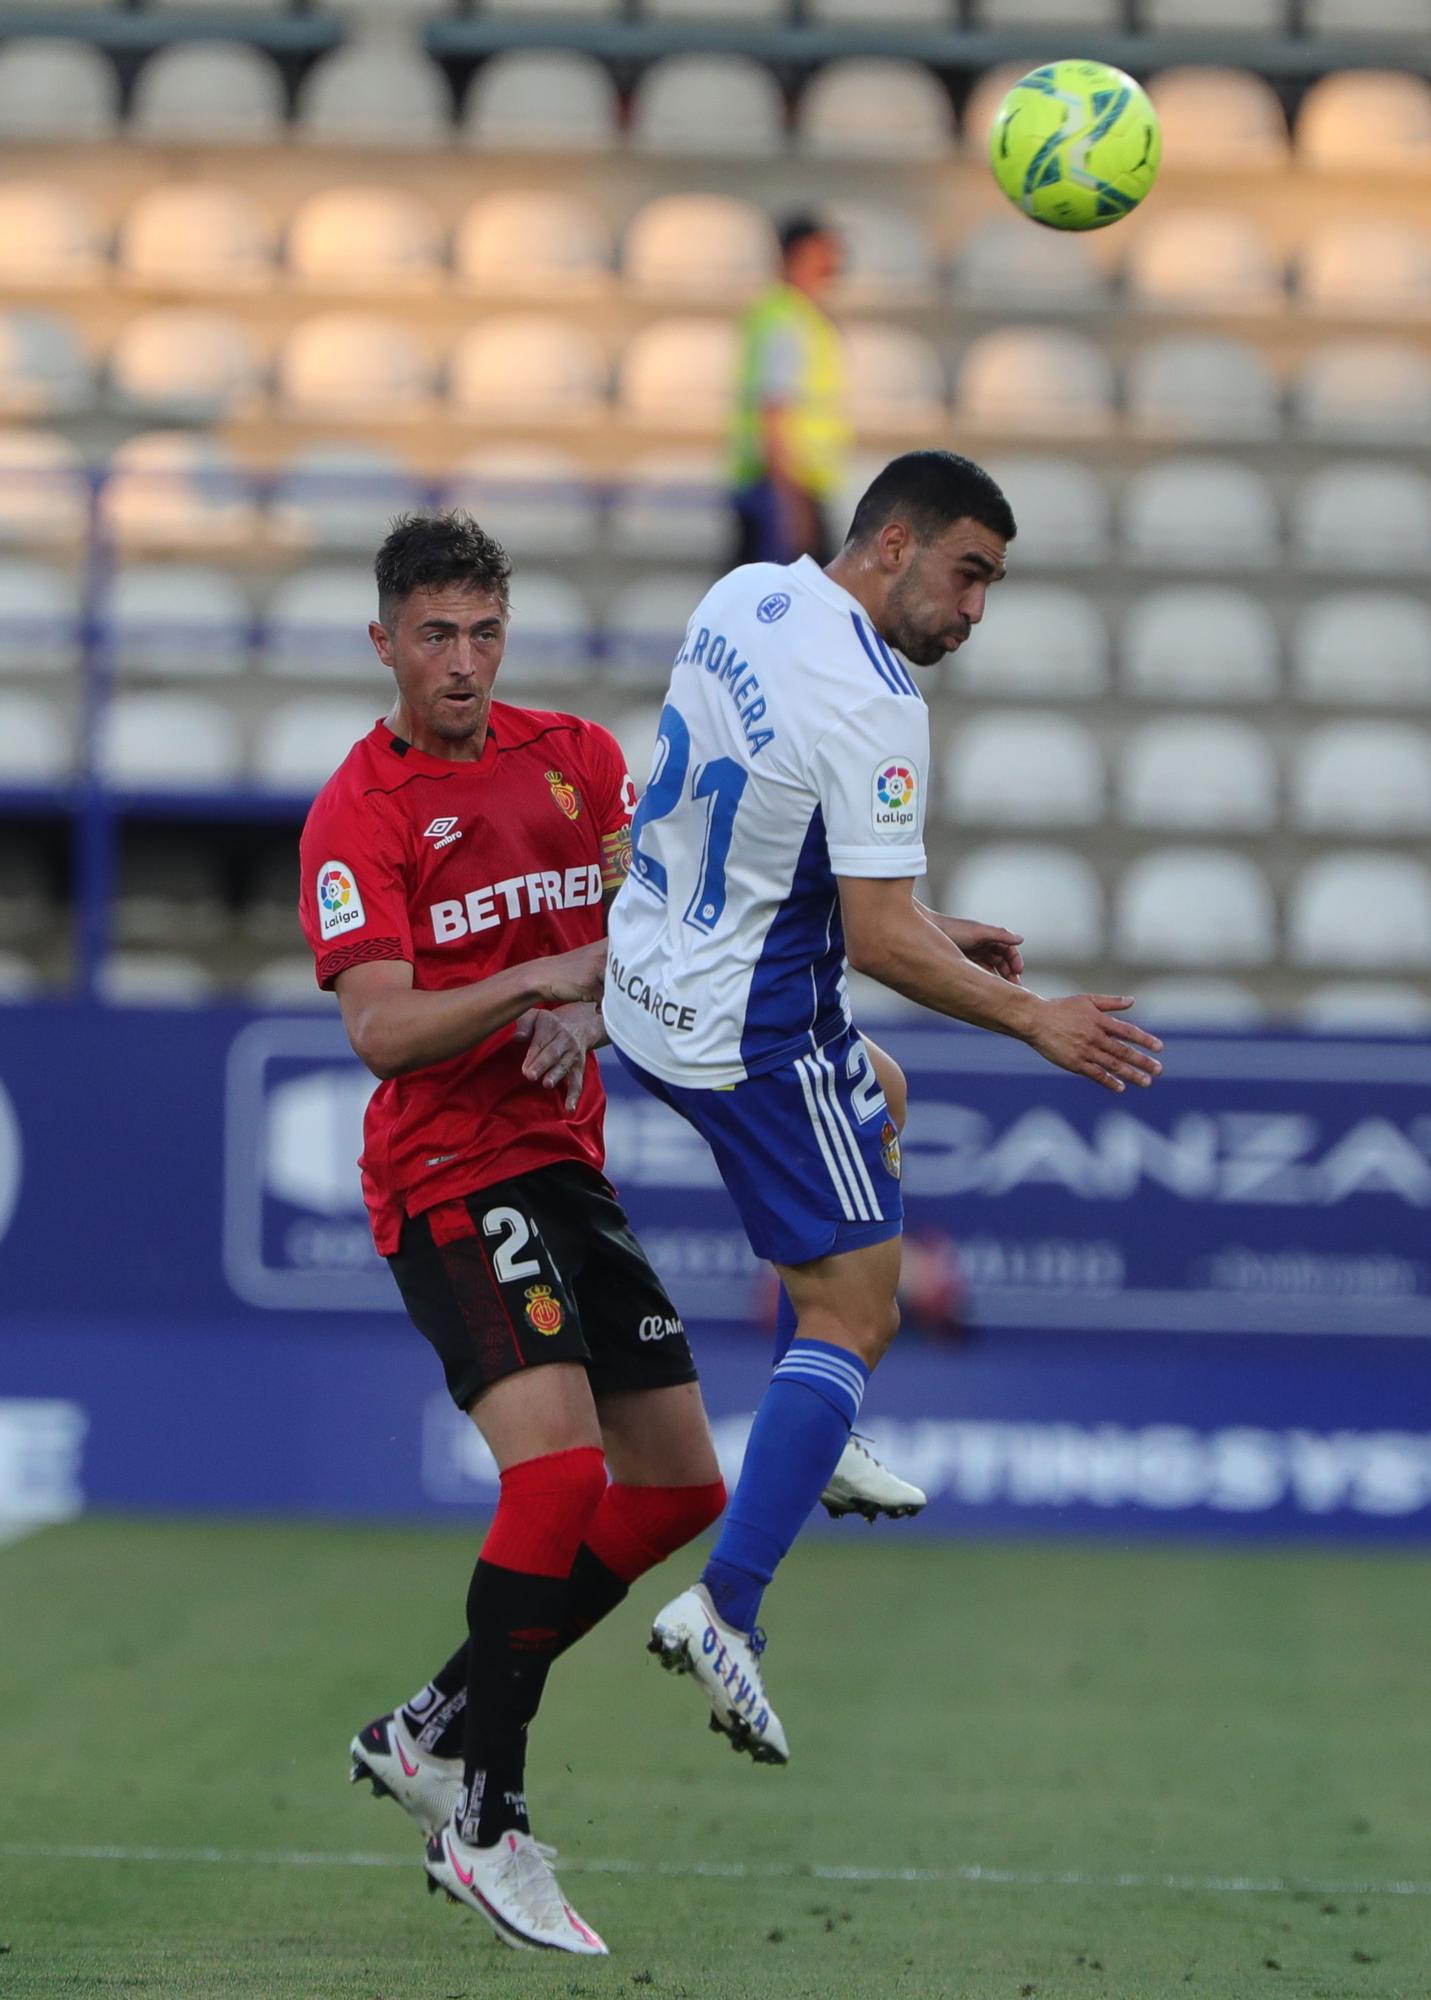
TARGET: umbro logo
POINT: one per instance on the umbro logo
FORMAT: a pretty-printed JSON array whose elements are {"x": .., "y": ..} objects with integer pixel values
[{"x": 443, "y": 831}]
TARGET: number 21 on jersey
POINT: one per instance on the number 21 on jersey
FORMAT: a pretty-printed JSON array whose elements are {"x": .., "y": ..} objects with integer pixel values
[{"x": 719, "y": 783}]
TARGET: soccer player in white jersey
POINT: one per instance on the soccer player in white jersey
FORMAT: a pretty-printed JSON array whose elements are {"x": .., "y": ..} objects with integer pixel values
[{"x": 779, "y": 839}]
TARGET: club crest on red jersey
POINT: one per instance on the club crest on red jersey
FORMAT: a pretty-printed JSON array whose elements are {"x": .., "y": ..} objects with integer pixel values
[
  {"x": 566, "y": 795},
  {"x": 543, "y": 1310}
]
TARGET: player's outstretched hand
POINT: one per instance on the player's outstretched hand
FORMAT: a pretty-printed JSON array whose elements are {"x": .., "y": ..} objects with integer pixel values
[
  {"x": 573, "y": 975},
  {"x": 561, "y": 1039},
  {"x": 1084, "y": 1034}
]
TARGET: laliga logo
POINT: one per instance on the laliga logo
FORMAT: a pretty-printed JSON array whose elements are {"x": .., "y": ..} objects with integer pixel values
[
  {"x": 334, "y": 890},
  {"x": 10, "y": 1158},
  {"x": 895, "y": 785}
]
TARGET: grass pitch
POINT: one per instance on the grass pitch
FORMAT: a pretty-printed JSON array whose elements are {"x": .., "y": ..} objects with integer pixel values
[{"x": 1111, "y": 1774}]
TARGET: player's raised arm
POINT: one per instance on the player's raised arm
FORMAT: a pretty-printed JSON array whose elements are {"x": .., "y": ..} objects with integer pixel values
[{"x": 889, "y": 937}]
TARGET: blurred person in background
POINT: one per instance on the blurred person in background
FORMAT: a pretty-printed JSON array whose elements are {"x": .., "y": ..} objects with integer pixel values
[{"x": 792, "y": 431}]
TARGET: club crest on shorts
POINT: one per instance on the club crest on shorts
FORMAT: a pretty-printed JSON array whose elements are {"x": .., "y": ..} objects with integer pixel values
[
  {"x": 889, "y": 1148},
  {"x": 566, "y": 796},
  {"x": 543, "y": 1310}
]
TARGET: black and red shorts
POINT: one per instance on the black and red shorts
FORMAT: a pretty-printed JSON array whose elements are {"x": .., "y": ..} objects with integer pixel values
[{"x": 543, "y": 1267}]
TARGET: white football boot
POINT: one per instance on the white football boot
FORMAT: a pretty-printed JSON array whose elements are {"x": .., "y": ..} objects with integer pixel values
[
  {"x": 689, "y": 1637},
  {"x": 426, "y": 1786},
  {"x": 859, "y": 1484},
  {"x": 511, "y": 1884}
]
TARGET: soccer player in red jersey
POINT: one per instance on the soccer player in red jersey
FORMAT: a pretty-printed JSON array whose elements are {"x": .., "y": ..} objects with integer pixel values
[{"x": 455, "y": 871}]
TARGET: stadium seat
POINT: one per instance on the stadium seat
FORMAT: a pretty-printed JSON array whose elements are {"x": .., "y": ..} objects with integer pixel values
[
  {"x": 1012, "y": 267},
  {"x": 1028, "y": 379},
  {"x": 168, "y": 743},
  {"x": 193, "y": 234},
  {"x": 1226, "y": 120},
  {"x": 1365, "y": 392},
  {"x": 699, "y": 246},
  {"x": 1003, "y": 14},
  {"x": 1195, "y": 906},
  {"x": 208, "y": 93},
  {"x": 44, "y": 370},
  {"x": 1256, "y": 17},
  {"x": 644, "y": 626},
  {"x": 1366, "y": 266},
  {"x": 43, "y": 490},
  {"x": 49, "y": 238},
  {"x": 875, "y": 109},
  {"x": 270, "y": 896},
  {"x": 1200, "y": 645},
  {"x": 550, "y": 636},
  {"x": 20, "y": 978},
  {"x": 340, "y": 496},
  {"x": 183, "y": 362},
  {"x": 1049, "y": 894},
  {"x": 176, "y": 489},
  {"x": 521, "y": 369},
  {"x": 1363, "y": 777},
  {"x": 771, "y": 12},
  {"x": 672, "y": 507},
  {"x": 365, "y": 239},
  {"x": 569, "y": 10},
  {"x": 542, "y": 100},
  {"x": 356, "y": 367},
  {"x": 1367, "y": 122},
  {"x": 1210, "y": 1002},
  {"x": 1037, "y": 640},
  {"x": 286, "y": 982},
  {"x": 1366, "y": 1007},
  {"x": 1365, "y": 17},
  {"x": 535, "y": 498},
  {"x": 167, "y": 890},
  {"x": 889, "y": 259},
  {"x": 896, "y": 381},
  {"x": 36, "y": 746},
  {"x": 1062, "y": 510},
  {"x": 635, "y": 731},
  {"x": 298, "y": 747},
  {"x": 316, "y": 627},
  {"x": 1196, "y": 513},
  {"x": 677, "y": 375},
  {"x": 1368, "y": 516},
  {"x": 177, "y": 621},
  {"x": 154, "y": 979},
  {"x": 39, "y": 619},
  {"x": 379, "y": 93},
  {"x": 1023, "y": 769},
  {"x": 528, "y": 243},
  {"x": 1202, "y": 386},
  {"x": 1203, "y": 260},
  {"x": 1369, "y": 908},
  {"x": 725, "y": 105},
  {"x": 892, "y": 13},
  {"x": 56, "y": 89},
  {"x": 1194, "y": 775},
  {"x": 1363, "y": 647}
]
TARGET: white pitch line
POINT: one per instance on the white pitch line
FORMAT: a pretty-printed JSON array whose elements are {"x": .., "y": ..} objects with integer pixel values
[{"x": 740, "y": 1871}]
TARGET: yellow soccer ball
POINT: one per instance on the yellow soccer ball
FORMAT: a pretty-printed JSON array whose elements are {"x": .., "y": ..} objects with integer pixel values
[{"x": 1076, "y": 145}]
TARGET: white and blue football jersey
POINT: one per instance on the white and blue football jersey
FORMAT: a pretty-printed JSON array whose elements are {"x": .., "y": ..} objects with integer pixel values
[{"x": 793, "y": 748}]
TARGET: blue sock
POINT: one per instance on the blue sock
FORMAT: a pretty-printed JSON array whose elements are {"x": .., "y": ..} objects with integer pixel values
[
  {"x": 799, "y": 1432},
  {"x": 785, "y": 1324}
]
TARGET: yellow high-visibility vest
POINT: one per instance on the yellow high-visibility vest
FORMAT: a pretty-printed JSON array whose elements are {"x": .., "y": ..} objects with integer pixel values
[{"x": 818, "y": 422}]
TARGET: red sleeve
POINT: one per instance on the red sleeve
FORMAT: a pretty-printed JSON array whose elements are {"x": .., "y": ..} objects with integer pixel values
[
  {"x": 352, "y": 901},
  {"x": 613, "y": 800}
]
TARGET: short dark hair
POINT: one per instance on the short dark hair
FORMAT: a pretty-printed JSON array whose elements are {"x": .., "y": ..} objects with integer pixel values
[
  {"x": 425, "y": 550},
  {"x": 797, "y": 229},
  {"x": 929, "y": 489}
]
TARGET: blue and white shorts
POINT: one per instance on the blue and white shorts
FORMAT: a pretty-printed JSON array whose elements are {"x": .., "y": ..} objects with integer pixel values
[{"x": 808, "y": 1151}]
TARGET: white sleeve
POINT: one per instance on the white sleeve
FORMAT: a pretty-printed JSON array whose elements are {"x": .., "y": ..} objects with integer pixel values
[{"x": 871, "y": 772}]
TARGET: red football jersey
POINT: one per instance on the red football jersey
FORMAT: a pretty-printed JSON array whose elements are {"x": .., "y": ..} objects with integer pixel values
[{"x": 463, "y": 869}]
